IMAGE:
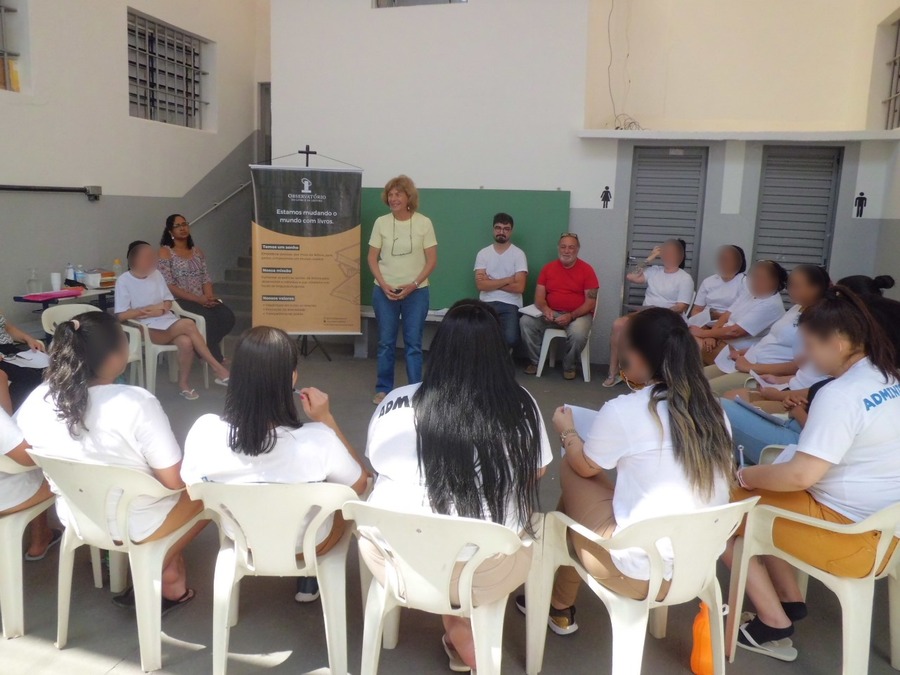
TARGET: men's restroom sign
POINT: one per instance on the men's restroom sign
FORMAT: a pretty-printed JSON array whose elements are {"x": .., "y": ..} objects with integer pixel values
[{"x": 859, "y": 205}]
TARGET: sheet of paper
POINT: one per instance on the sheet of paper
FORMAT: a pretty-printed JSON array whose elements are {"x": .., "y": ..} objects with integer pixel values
[
  {"x": 700, "y": 319},
  {"x": 531, "y": 310},
  {"x": 29, "y": 359},
  {"x": 584, "y": 420},
  {"x": 774, "y": 419},
  {"x": 763, "y": 384}
]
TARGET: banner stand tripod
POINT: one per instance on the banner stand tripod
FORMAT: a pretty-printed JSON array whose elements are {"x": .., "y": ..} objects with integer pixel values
[{"x": 305, "y": 350}]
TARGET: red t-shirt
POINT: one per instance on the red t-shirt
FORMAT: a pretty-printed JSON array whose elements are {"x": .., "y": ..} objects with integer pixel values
[{"x": 566, "y": 287}]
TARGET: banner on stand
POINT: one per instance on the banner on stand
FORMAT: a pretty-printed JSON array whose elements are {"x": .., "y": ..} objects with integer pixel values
[{"x": 306, "y": 244}]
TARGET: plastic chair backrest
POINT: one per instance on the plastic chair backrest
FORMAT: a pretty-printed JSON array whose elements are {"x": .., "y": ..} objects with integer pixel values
[
  {"x": 265, "y": 520},
  {"x": 698, "y": 539},
  {"x": 421, "y": 552},
  {"x": 7, "y": 465},
  {"x": 53, "y": 316},
  {"x": 85, "y": 488}
]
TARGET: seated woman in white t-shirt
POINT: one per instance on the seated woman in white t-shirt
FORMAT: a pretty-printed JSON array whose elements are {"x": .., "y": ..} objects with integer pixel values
[
  {"x": 22, "y": 490},
  {"x": 751, "y": 315},
  {"x": 778, "y": 357},
  {"x": 80, "y": 414},
  {"x": 468, "y": 441},
  {"x": 143, "y": 296},
  {"x": 259, "y": 437},
  {"x": 652, "y": 438},
  {"x": 720, "y": 291},
  {"x": 668, "y": 286},
  {"x": 844, "y": 468}
]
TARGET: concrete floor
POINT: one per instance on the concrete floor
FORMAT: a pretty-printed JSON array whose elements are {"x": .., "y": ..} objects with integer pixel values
[{"x": 276, "y": 635}]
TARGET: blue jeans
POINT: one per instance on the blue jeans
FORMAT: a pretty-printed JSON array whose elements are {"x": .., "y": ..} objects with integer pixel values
[
  {"x": 413, "y": 310},
  {"x": 755, "y": 433},
  {"x": 509, "y": 321}
]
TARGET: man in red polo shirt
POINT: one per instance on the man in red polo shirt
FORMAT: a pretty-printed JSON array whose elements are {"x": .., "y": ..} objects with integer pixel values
[{"x": 566, "y": 293}]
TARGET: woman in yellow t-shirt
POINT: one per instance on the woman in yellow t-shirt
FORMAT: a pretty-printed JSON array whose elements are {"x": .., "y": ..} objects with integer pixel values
[{"x": 402, "y": 255}]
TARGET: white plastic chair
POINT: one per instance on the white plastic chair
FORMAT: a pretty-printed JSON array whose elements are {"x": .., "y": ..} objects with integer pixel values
[
  {"x": 548, "y": 350},
  {"x": 254, "y": 543},
  {"x": 855, "y": 595},
  {"x": 85, "y": 488},
  {"x": 698, "y": 539},
  {"x": 152, "y": 351},
  {"x": 53, "y": 316},
  {"x": 12, "y": 527},
  {"x": 420, "y": 553}
]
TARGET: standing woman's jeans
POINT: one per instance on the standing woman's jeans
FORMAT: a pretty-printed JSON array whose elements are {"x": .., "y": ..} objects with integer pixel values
[
  {"x": 413, "y": 310},
  {"x": 755, "y": 433}
]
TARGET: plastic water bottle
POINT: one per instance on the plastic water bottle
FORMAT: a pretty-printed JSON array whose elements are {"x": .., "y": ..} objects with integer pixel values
[
  {"x": 70, "y": 272},
  {"x": 79, "y": 274},
  {"x": 33, "y": 284},
  {"x": 117, "y": 268}
]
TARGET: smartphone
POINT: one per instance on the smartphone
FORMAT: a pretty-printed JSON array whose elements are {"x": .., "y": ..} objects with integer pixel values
[{"x": 397, "y": 291}]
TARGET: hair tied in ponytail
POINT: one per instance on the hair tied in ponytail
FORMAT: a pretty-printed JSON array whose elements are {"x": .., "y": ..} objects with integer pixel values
[{"x": 76, "y": 324}]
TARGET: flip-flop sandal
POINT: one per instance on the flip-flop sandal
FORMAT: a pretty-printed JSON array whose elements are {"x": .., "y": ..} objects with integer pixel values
[
  {"x": 223, "y": 381},
  {"x": 456, "y": 664},
  {"x": 125, "y": 600},
  {"x": 747, "y": 617},
  {"x": 55, "y": 539},
  {"x": 189, "y": 394},
  {"x": 783, "y": 650},
  {"x": 169, "y": 605}
]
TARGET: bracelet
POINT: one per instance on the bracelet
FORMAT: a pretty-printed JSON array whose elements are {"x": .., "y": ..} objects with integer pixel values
[
  {"x": 740, "y": 479},
  {"x": 415, "y": 283},
  {"x": 565, "y": 434}
]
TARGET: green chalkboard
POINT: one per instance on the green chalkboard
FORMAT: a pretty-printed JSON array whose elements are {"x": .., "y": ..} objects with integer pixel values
[{"x": 463, "y": 225}]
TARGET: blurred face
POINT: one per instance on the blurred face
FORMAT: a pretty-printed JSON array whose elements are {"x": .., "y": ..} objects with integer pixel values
[
  {"x": 568, "y": 251},
  {"x": 398, "y": 201},
  {"x": 801, "y": 291},
  {"x": 117, "y": 361},
  {"x": 635, "y": 366},
  {"x": 671, "y": 254},
  {"x": 827, "y": 355},
  {"x": 180, "y": 229},
  {"x": 143, "y": 261},
  {"x": 728, "y": 262},
  {"x": 762, "y": 281},
  {"x": 502, "y": 232}
]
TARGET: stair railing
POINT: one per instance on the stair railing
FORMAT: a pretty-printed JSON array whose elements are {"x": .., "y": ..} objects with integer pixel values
[{"x": 219, "y": 203}]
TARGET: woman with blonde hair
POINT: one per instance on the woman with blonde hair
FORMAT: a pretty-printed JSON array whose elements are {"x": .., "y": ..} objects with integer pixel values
[
  {"x": 670, "y": 445},
  {"x": 402, "y": 255}
]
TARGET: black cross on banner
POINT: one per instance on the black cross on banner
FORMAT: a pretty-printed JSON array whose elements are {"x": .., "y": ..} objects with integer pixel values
[{"x": 307, "y": 152}]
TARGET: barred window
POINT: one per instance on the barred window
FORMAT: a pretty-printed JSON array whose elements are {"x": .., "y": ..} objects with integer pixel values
[
  {"x": 893, "y": 99},
  {"x": 378, "y": 4},
  {"x": 10, "y": 45},
  {"x": 165, "y": 72}
]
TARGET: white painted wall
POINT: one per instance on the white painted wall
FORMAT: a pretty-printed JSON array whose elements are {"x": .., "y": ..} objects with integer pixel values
[
  {"x": 488, "y": 93},
  {"x": 72, "y": 126},
  {"x": 492, "y": 93},
  {"x": 762, "y": 65}
]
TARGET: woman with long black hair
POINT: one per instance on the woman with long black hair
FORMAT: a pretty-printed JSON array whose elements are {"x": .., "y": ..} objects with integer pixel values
[
  {"x": 844, "y": 468},
  {"x": 670, "y": 445},
  {"x": 183, "y": 266},
  {"x": 259, "y": 438},
  {"x": 81, "y": 414},
  {"x": 467, "y": 441}
]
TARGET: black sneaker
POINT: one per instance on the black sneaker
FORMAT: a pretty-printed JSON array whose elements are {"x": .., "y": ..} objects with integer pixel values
[
  {"x": 560, "y": 621},
  {"x": 307, "y": 589}
]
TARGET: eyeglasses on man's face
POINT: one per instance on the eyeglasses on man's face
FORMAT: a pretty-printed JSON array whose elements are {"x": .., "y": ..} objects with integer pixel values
[{"x": 506, "y": 229}]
